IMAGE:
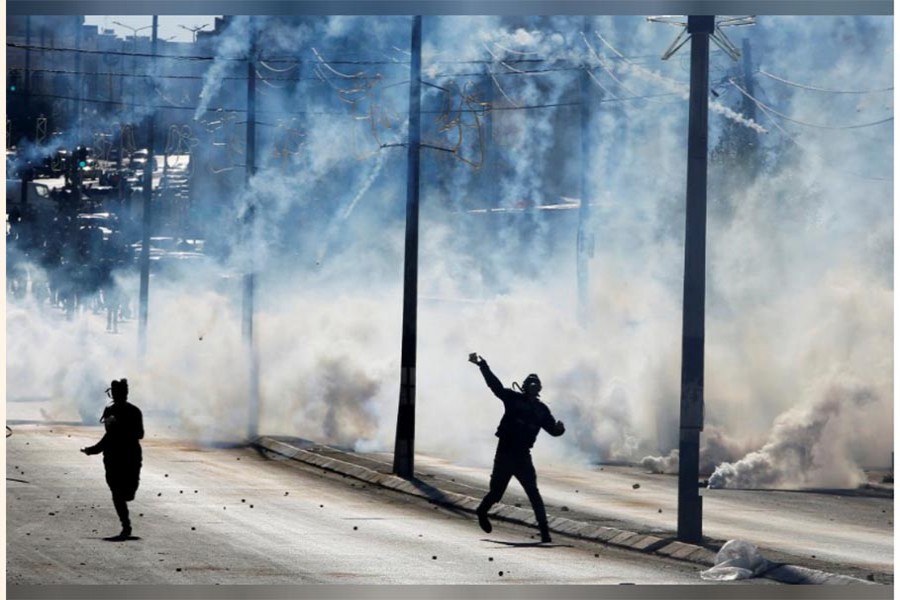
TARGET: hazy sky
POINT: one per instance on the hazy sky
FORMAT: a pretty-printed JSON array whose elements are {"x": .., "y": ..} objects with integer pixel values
[{"x": 168, "y": 25}]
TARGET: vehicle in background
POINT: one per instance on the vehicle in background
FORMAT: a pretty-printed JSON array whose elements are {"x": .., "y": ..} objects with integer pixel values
[{"x": 37, "y": 196}]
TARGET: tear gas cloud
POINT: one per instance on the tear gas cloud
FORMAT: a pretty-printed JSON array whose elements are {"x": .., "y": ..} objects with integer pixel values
[{"x": 798, "y": 353}]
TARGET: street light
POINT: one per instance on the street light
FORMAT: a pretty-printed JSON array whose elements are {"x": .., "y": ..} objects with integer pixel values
[
  {"x": 194, "y": 30},
  {"x": 133, "y": 55}
]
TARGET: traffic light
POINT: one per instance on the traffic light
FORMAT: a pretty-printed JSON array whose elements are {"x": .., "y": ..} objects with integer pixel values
[
  {"x": 81, "y": 156},
  {"x": 14, "y": 80}
]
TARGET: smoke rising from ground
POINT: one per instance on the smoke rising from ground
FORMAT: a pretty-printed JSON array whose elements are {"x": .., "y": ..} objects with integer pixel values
[{"x": 799, "y": 289}]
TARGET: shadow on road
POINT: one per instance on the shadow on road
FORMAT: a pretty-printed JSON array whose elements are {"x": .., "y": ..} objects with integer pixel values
[
  {"x": 116, "y": 538},
  {"x": 527, "y": 544},
  {"x": 435, "y": 495}
]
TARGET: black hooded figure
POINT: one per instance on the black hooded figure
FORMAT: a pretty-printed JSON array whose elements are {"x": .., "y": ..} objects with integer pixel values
[
  {"x": 121, "y": 450},
  {"x": 523, "y": 418}
]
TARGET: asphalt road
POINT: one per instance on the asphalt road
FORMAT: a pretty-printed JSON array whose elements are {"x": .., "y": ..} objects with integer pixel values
[
  {"x": 231, "y": 516},
  {"x": 840, "y": 527}
]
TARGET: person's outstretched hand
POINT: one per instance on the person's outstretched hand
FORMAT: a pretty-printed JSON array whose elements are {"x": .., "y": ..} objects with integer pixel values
[
  {"x": 475, "y": 359},
  {"x": 560, "y": 426}
]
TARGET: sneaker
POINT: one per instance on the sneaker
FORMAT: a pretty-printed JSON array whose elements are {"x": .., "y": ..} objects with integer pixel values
[
  {"x": 545, "y": 537},
  {"x": 483, "y": 521},
  {"x": 126, "y": 532}
]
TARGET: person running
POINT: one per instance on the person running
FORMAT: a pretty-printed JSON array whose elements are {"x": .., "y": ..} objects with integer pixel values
[
  {"x": 523, "y": 418},
  {"x": 121, "y": 450}
]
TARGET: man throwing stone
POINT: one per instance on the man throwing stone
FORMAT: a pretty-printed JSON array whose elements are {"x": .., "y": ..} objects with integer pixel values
[{"x": 523, "y": 418}]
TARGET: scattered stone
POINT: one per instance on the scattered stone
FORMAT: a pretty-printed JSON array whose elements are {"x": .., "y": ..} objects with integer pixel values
[
  {"x": 355, "y": 528},
  {"x": 813, "y": 555},
  {"x": 285, "y": 493},
  {"x": 321, "y": 506},
  {"x": 660, "y": 510},
  {"x": 251, "y": 506},
  {"x": 501, "y": 573},
  {"x": 564, "y": 509},
  {"x": 193, "y": 529},
  {"x": 490, "y": 559},
  {"x": 166, "y": 475},
  {"x": 180, "y": 491},
  {"x": 178, "y": 569},
  {"x": 434, "y": 558},
  {"x": 58, "y": 499},
  {"x": 243, "y": 499},
  {"x": 636, "y": 486},
  {"x": 596, "y": 555},
  {"x": 576, "y": 491},
  {"x": 239, "y": 458},
  {"x": 518, "y": 505},
  {"x": 52, "y": 514},
  {"x": 195, "y": 491},
  {"x": 82, "y": 564},
  {"x": 141, "y": 514},
  {"x": 871, "y": 576},
  {"x": 159, "y": 494}
]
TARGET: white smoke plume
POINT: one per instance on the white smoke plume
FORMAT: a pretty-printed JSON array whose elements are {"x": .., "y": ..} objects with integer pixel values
[
  {"x": 808, "y": 447},
  {"x": 799, "y": 350}
]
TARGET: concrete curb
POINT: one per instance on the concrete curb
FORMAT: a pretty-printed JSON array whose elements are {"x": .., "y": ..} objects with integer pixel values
[{"x": 648, "y": 544}]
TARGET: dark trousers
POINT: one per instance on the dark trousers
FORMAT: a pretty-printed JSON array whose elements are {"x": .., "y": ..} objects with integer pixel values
[
  {"x": 121, "y": 505},
  {"x": 515, "y": 463},
  {"x": 123, "y": 478}
]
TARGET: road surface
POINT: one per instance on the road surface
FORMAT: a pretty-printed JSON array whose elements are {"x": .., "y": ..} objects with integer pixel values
[{"x": 231, "y": 516}]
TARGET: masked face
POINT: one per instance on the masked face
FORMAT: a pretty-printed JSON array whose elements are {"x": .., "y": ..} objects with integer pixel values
[{"x": 532, "y": 387}]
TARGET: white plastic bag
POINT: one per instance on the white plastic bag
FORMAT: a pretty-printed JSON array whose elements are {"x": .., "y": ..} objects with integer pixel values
[{"x": 737, "y": 559}]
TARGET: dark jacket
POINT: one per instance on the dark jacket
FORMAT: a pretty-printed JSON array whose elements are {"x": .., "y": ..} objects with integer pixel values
[
  {"x": 523, "y": 417},
  {"x": 124, "y": 428}
]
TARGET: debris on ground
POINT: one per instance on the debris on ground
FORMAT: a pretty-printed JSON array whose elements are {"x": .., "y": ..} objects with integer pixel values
[{"x": 737, "y": 559}]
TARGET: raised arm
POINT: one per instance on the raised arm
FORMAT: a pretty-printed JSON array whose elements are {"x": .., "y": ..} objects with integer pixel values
[{"x": 489, "y": 378}]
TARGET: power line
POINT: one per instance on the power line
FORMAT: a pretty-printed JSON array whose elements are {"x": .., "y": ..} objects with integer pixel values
[
  {"x": 821, "y": 89},
  {"x": 292, "y": 60},
  {"x": 769, "y": 109}
]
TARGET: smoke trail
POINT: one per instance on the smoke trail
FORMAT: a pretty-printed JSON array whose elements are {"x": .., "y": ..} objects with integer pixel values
[
  {"x": 807, "y": 448},
  {"x": 234, "y": 43}
]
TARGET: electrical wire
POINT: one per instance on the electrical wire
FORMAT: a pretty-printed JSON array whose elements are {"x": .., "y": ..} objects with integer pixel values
[
  {"x": 821, "y": 89},
  {"x": 771, "y": 110}
]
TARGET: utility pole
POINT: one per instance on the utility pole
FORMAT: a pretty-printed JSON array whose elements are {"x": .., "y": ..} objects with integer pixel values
[
  {"x": 748, "y": 107},
  {"x": 250, "y": 238},
  {"x": 690, "y": 503},
  {"x": 406, "y": 415},
  {"x": 584, "y": 242},
  {"x": 74, "y": 167},
  {"x": 700, "y": 29},
  {"x": 26, "y": 85},
  {"x": 147, "y": 222}
]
